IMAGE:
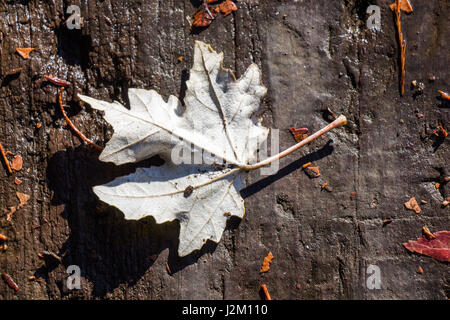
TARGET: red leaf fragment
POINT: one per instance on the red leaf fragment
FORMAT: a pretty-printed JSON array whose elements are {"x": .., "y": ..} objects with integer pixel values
[
  {"x": 266, "y": 263},
  {"x": 438, "y": 248}
]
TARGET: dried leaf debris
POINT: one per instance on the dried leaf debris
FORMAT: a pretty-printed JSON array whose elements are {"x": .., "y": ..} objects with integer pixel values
[
  {"x": 412, "y": 204},
  {"x": 24, "y": 52},
  {"x": 206, "y": 14},
  {"x": 266, "y": 263},
  {"x": 437, "y": 248},
  {"x": 398, "y": 6}
]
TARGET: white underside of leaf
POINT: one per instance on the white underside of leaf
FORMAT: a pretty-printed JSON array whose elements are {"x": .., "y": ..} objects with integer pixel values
[
  {"x": 218, "y": 118},
  {"x": 159, "y": 192}
]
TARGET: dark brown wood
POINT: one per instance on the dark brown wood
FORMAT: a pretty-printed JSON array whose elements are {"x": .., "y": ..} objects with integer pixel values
[{"x": 314, "y": 55}]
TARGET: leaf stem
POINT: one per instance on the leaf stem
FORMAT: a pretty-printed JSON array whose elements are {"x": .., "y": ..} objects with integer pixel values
[{"x": 341, "y": 120}]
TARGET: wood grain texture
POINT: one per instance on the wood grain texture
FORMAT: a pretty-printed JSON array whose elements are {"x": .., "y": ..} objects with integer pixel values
[{"x": 319, "y": 55}]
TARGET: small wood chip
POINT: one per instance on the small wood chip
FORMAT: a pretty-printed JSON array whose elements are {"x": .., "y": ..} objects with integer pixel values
[
  {"x": 17, "y": 181},
  {"x": 386, "y": 222},
  {"x": 23, "y": 198},
  {"x": 24, "y": 52},
  {"x": 227, "y": 7},
  {"x": 3, "y": 237},
  {"x": 17, "y": 163},
  {"x": 420, "y": 270},
  {"x": 188, "y": 191},
  {"x": 306, "y": 165},
  {"x": 10, "y": 213},
  {"x": 10, "y": 281},
  {"x": 13, "y": 72},
  {"x": 312, "y": 172},
  {"x": 266, "y": 263},
  {"x": 5, "y": 159},
  {"x": 266, "y": 292},
  {"x": 413, "y": 205},
  {"x": 428, "y": 233},
  {"x": 168, "y": 269},
  {"x": 444, "y": 95}
]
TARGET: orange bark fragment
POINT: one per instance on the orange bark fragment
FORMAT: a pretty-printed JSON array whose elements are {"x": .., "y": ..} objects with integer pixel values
[
  {"x": 227, "y": 7},
  {"x": 266, "y": 292},
  {"x": 306, "y": 165},
  {"x": 420, "y": 270},
  {"x": 405, "y": 5},
  {"x": 23, "y": 198},
  {"x": 3, "y": 237},
  {"x": 266, "y": 263},
  {"x": 412, "y": 204},
  {"x": 428, "y": 233},
  {"x": 17, "y": 163},
  {"x": 444, "y": 95},
  {"x": 203, "y": 17},
  {"x": 24, "y": 52},
  {"x": 10, "y": 213},
  {"x": 17, "y": 181}
]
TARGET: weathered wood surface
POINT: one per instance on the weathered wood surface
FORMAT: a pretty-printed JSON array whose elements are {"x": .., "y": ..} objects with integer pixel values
[{"x": 319, "y": 55}]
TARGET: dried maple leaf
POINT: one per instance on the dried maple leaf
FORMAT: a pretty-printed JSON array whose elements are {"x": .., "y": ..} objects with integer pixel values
[
  {"x": 437, "y": 248},
  {"x": 219, "y": 119},
  {"x": 412, "y": 204},
  {"x": 405, "y": 5},
  {"x": 203, "y": 17},
  {"x": 23, "y": 199},
  {"x": 227, "y": 7},
  {"x": 24, "y": 52},
  {"x": 266, "y": 263}
]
